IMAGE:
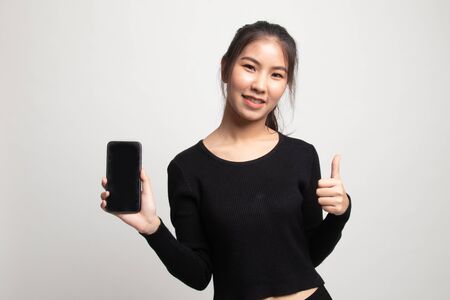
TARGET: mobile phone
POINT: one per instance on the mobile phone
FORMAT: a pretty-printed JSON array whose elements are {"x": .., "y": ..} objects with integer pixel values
[{"x": 123, "y": 167}]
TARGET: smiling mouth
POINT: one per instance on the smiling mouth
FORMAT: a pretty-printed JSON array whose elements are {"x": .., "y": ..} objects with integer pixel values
[{"x": 254, "y": 100}]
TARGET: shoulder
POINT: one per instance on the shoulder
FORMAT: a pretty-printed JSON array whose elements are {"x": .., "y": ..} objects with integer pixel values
[
  {"x": 300, "y": 145},
  {"x": 188, "y": 157}
]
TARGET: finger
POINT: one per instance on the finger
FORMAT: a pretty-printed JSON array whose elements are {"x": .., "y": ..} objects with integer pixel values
[
  {"x": 329, "y": 208},
  {"x": 145, "y": 182},
  {"x": 335, "y": 166},
  {"x": 104, "y": 181},
  {"x": 327, "y": 192},
  {"x": 328, "y": 182},
  {"x": 104, "y": 195},
  {"x": 103, "y": 205},
  {"x": 326, "y": 201}
]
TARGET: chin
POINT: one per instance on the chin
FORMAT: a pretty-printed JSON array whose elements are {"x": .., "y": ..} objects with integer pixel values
[{"x": 253, "y": 115}]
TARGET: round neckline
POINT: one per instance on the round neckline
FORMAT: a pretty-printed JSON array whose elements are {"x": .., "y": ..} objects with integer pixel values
[{"x": 245, "y": 162}]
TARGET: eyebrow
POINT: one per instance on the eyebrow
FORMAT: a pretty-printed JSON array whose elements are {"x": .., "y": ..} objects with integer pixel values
[{"x": 259, "y": 64}]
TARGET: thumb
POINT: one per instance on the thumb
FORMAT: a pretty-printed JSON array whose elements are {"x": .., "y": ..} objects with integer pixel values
[
  {"x": 145, "y": 182},
  {"x": 335, "y": 165}
]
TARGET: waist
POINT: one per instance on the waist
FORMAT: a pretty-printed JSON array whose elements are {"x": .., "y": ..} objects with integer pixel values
[{"x": 301, "y": 295}]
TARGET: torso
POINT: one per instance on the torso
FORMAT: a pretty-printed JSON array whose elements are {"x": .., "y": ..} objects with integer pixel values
[{"x": 244, "y": 153}]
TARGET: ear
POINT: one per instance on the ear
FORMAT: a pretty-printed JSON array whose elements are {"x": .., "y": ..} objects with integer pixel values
[{"x": 222, "y": 67}]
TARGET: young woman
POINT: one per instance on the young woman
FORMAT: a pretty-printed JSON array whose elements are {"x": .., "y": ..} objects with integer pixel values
[{"x": 246, "y": 201}]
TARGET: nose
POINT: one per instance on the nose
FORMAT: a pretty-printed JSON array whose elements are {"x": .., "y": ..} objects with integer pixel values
[{"x": 259, "y": 84}]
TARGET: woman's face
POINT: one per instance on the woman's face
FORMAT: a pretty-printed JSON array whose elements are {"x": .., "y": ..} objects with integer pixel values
[{"x": 260, "y": 71}]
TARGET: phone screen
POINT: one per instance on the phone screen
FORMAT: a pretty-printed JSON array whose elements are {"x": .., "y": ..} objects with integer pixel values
[{"x": 123, "y": 166}]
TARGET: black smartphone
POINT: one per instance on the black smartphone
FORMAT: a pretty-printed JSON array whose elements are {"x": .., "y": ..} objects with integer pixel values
[{"x": 123, "y": 167}]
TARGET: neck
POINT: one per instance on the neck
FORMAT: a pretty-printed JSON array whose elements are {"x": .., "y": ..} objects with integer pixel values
[{"x": 237, "y": 129}]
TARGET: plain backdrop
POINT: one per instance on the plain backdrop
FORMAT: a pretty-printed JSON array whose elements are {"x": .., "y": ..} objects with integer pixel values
[{"x": 373, "y": 86}]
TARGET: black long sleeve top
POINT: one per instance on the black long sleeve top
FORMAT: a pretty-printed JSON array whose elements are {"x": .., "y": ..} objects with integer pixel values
[{"x": 255, "y": 226}]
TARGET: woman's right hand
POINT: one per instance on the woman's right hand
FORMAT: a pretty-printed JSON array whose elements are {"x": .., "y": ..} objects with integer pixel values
[{"x": 145, "y": 221}]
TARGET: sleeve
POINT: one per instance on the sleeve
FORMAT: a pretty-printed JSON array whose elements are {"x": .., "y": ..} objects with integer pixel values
[
  {"x": 322, "y": 234},
  {"x": 187, "y": 256}
]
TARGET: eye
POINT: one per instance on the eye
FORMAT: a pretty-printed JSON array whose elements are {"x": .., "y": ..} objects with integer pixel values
[
  {"x": 249, "y": 66},
  {"x": 280, "y": 76}
]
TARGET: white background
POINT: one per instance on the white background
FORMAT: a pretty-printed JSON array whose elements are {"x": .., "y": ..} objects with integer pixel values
[{"x": 373, "y": 85}]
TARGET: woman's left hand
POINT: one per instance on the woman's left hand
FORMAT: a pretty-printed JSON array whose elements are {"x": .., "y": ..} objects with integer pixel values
[{"x": 332, "y": 195}]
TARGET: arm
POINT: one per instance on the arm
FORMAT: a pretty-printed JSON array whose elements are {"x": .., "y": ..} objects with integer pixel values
[
  {"x": 322, "y": 234},
  {"x": 187, "y": 256}
]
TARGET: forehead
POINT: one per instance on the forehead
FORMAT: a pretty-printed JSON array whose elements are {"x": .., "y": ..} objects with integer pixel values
[{"x": 267, "y": 51}]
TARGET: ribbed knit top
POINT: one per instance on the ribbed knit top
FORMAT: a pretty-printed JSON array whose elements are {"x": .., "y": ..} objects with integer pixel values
[{"x": 255, "y": 226}]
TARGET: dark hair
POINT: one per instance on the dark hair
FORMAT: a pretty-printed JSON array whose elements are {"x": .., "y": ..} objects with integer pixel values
[{"x": 250, "y": 33}]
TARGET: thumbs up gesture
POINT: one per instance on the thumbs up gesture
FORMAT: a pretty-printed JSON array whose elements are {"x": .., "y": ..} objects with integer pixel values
[{"x": 331, "y": 192}]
